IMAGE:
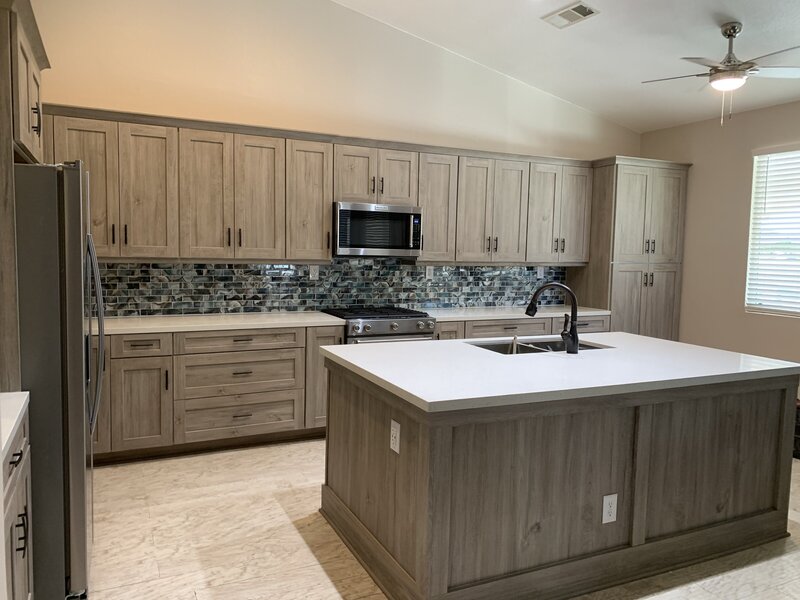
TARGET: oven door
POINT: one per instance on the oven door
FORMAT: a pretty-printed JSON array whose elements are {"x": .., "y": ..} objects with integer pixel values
[
  {"x": 391, "y": 338},
  {"x": 377, "y": 230}
]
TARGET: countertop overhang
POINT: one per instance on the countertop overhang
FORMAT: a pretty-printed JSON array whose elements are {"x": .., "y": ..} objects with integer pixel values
[
  {"x": 12, "y": 408},
  {"x": 441, "y": 376}
]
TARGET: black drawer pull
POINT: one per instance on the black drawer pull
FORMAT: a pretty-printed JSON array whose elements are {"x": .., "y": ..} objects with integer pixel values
[
  {"x": 510, "y": 327},
  {"x": 242, "y": 372},
  {"x": 582, "y": 324},
  {"x": 16, "y": 458},
  {"x": 242, "y": 339},
  {"x": 142, "y": 344},
  {"x": 244, "y": 416}
]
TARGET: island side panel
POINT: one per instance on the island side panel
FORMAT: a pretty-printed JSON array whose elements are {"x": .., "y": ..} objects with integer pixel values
[{"x": 529, "y": 492}]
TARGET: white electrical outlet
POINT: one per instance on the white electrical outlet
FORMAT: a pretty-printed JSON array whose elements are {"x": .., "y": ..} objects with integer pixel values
[
  {"x": 428, "y": 272},
  {"x": 394, "y": 436},
  {"x": 539, "y": 272},
  {"x": 313, "y": 272},
  {"x": 609, "y": 508}
]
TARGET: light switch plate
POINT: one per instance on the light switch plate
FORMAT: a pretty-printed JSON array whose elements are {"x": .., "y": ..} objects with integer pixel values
[
  {"x": 540, "y": 272},
  {"x": 394, "y": 436},
  {"x": 428, "y": 272},
  {"x": 313, "y": 272},
  {"x": 609, "y": 508}
]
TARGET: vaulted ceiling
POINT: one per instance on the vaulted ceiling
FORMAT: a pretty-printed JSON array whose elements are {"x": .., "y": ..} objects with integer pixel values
[{"x": 599, "y": 63}]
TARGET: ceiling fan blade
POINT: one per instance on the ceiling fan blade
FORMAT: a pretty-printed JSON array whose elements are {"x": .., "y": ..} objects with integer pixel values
[
  {"x": 776, "y": 72},
  {"x": 678, "y": 77},
  {"x": 757, "y": 58},
  {"x": 706, "y": 62}
]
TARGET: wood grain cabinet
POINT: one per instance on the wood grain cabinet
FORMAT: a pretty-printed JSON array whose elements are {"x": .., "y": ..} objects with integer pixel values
[
  {"x": 438, "y": 193},
  {"x": 17, "y": 517},
  {"x": 148, "y": 191},
  {"x": 206, "y": 194},
  {"x": 101, "y": 438},
  {"x": 141, "y": 403},
  {"x": 450, "y": 330},
  {"x": 309, "y": 200},
  {"x": 317, "y": 374},
  {"x": 559, "y": 214},
  {"x": 644, "y": 299},
  {"x": 375, "y": 175},
  {"x": 96, "y": 143},
  {"x": 507, "y": 328},
  {"x": 260, "y": 197},
  {"x": 492, "y": 210},
  {"x": 27, "y": 62}
]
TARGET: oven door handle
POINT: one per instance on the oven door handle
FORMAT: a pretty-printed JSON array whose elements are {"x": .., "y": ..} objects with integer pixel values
[{"x": 391, "y": 338}]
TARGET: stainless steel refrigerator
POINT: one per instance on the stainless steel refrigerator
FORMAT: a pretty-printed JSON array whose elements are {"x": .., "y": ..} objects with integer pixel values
[{"x": 58, "y": 281}]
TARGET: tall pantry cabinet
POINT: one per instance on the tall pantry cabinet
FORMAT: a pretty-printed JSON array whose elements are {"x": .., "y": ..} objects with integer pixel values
[{"x": 638, "y": 208}]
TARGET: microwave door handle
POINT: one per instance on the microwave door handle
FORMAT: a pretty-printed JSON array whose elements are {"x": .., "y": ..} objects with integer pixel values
[{"x": 411, "y": 231}]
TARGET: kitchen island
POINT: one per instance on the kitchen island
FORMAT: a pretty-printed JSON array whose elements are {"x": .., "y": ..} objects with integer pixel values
[{"x": 547, "y": 475}]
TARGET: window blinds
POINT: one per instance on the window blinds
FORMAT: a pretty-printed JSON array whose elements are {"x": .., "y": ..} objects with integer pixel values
[{"x": 773, "y": 266}]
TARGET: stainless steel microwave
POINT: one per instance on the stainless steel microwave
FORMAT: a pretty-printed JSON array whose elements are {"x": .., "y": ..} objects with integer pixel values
[{"x": 377, "y": 229}]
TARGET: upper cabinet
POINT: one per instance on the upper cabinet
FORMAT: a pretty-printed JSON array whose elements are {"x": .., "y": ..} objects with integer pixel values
[
  {"x": 438, "y": 191},
  {"x": 375, "y": 175},
  {"x": 309, "y": 200},
  {"x": 559, "y": 217},
  {"x": 28, "y": 59},
  {"x": 492, "y": 210},
  {"x": 260, "y": 197},
  {"x": 148, "y": 191},
  {"x": 206, "y": 193},
  {"x": 649, "y": 214},
  {"x": 95, "y": 143}
]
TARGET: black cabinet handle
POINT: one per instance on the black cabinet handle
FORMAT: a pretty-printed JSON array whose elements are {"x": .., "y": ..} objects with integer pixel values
[
  {"x": 555, "y": 245},
  {"x": 240, "y": 237},
  {"x": 652, "y": 246},
  {"x": 644, "y": 281},
  {"x": 243, "y": 416},
  {"x": 242, "y": 372},
  {"x": 166, "y": 379},
  {"x": 338, "y": 340},
  {"x": 373, "y": 185},
  {"x": 329, "y": 240},
  {"x": 125, "y": 233},
  {"x": 243, "y": 339},
  {"x": 229, "y": 236},
  {"x": 113, "y": 234},
  {"x": 16, "y": 458},
  {"x": 647, "y": 247},
  {"x": 488, "y": 244},
  {"x": 381, "y": 186},
  {"x": 582, "y": 324},
  {"x": 495, "y": 244},
  {"x": 651, "y": 280},
  {"x": 563, "y": 245},
  {"x": 510, "y": 327},
  {"x": 141, "y": 344},
  {"x": 37, "y": 110}
]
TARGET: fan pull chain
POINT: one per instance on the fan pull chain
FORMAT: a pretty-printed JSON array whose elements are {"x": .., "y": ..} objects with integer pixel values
[
  {"x": 730, "y": 108},
  {"x": 722, "y": 112}
]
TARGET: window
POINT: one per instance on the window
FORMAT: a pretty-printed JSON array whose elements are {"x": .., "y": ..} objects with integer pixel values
[{"x": 773, "y": 264}]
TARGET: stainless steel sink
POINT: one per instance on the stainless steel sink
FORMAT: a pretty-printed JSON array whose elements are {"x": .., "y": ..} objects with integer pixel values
[{"x": 532, "y": 347}]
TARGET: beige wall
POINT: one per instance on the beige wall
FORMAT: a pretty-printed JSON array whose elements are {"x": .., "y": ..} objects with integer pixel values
[
  {"x": 717, "y": 228},
  {"x": 302, "y": 64}
]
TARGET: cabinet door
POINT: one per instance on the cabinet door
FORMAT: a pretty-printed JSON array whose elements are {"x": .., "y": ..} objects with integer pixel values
[
  {"x": 666, "y": 210},
  {"x": 23, "y": 569},
  {"x": 452, "y": 330},
  {"x": 543, "y": 214},
  {"x": 148, "y": 184},
  {"x": 206, "y": 194},
  {"x": 260, "y": 192},
  {"x": 96, "y": 144},
  {"x": 10, "y": 568},
  {"x": 26, "y": 85},
  {"x": 438, "y": 191},
  {"x": 576, "y": 208},
  {"x": 317, "y": 374},
  {"x": 661, "y": 311},
  {"x": 629, "y": 286},
  {"x": 356, "y": 178},
  {"x": 309, "y": 200},
  {"x": 510, "y": 211},
  {"x": 141, "y": 403},
  {"x": 474, "y": 213},
  {"x": 101, "y": 440},
  {"x": 630, "y": 230},
  {"x": 398, "y": 173}
]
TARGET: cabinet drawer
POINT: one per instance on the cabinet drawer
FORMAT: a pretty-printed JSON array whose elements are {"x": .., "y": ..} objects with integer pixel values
[
  {"x": 508, "y": 328},
  {"x": 226, "y": 417},
  {"x": 16, "y": 452},
  {"x": 227, "y": 374},
  {"x": 198, "y": 342},
  {"x": 586, "y": 324},
  {"x": 141, "y": 345},
  {"x": 451, "y": 330}
]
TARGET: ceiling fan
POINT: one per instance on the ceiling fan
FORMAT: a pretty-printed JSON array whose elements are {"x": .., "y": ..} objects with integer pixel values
[{"x": 731, "y": 73}]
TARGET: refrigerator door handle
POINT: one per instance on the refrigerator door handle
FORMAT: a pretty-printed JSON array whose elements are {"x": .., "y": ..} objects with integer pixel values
[{"x": 101, "y": 341}]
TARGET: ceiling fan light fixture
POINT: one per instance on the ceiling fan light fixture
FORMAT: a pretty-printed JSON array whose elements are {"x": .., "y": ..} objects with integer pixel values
[{"x": 727, "y": 81}]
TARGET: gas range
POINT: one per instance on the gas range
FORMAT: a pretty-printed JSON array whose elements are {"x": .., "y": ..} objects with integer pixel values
[{"x": 384, "y": 324}]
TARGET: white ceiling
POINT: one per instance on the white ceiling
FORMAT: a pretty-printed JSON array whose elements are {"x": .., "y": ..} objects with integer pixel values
[{"x": 599, "y": 63}]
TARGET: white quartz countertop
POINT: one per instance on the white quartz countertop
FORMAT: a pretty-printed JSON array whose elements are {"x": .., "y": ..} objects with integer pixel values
[
  {"x": 487, "y": 313},
  {"x": 220, "y": 322},
  {"x": 12, "y": 409},
  {"x": 440, "y": 376}
]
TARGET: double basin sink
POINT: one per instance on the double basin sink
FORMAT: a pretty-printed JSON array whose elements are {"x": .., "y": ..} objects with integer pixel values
[{"x": 532, "y": 347}]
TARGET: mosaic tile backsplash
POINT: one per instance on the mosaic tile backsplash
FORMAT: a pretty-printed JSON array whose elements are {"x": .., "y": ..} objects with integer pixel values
[{"x": 170, "y": 289}]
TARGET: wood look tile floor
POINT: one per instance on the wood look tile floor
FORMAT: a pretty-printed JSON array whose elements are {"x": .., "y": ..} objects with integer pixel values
[{"x": 244, "y": 525}]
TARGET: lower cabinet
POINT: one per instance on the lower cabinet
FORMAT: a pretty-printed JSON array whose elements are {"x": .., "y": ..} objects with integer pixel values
[
  {"x": 317, "y": 374},
  {"x": 141, "y": 403},
  {"x": 17, "y": 520},
  {"x": 450, "y": 330},
  {"x": 645, "y": 299},
  {"x": 508, "y": 328},
  {"x": 101, "y": 439}
]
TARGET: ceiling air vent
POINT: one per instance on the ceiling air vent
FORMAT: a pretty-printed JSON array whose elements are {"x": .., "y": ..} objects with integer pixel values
[{"x": 570, "y": 15}]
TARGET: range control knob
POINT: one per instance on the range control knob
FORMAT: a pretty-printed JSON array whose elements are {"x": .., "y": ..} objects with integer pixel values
[
  {"x": 431, "y": 325},
  {"x": 395, "y": 326},
  {"x": 367, "y": 327},
  {"x": 356, "y": 328},
  {"x": 420, "y": 325}
]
